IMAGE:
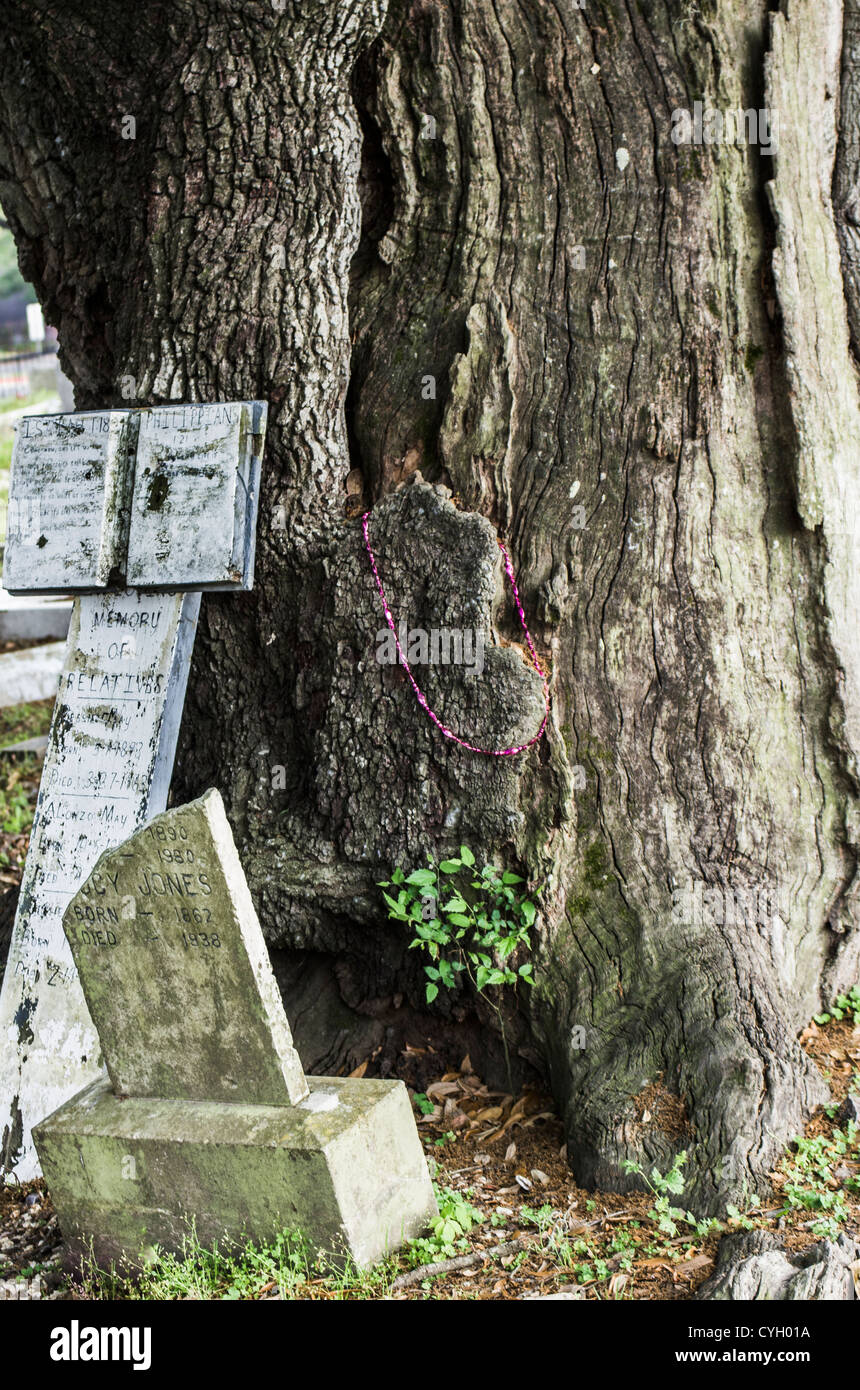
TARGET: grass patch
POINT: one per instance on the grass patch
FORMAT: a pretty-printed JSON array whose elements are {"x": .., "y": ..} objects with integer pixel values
[
  {"x": 11, "y": 403},
  {"x": 20, "y": 722},
  {"x": 281, "y": 1268},
  {"x": 18, "y": 792}
]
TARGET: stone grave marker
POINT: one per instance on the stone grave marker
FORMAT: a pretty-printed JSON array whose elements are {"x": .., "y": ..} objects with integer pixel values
[
  {"x": 207, "y": 1115},
  {"x": 175, "y": 971},
  {"x": 74, "y": 528},
  {"x": 107, "y": 765}
]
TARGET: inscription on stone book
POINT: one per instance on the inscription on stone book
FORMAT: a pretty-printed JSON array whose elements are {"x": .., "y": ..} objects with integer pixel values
[
  {"x": 195, "y": 486},
  {"x": 68, "y": 500}
]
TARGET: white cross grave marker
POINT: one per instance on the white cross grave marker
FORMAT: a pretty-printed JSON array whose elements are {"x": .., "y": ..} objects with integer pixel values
[{"x": 137, "y": 512}]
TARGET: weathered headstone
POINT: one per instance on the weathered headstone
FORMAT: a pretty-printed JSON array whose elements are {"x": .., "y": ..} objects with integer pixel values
[
  {"x": 207, "y": 1116},
  {"x": 175, "y": 970},
  {"x": 84, "y": 513}
]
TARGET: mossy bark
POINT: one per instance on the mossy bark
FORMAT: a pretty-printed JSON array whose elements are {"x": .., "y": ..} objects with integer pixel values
[{"x": 473, "y": 215}]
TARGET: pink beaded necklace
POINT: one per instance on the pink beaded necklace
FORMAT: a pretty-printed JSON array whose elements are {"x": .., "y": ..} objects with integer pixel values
[{"x": 422, "y": 698}]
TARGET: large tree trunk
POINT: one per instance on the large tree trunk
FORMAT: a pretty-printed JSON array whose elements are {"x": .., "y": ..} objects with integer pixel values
[{"x": 487, "y": 194}]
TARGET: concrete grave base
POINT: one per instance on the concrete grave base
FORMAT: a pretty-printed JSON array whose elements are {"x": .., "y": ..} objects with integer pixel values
[{"x": 344, "y": 1167}]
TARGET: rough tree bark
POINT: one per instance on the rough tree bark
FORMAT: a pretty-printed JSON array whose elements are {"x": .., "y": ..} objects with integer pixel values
[{"x": 486, "y": 193}]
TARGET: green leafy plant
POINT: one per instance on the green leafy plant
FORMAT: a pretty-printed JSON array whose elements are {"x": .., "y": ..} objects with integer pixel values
[
  {"x": 467, "y": 920},
  {"x": 543, "y": 1217},
  {"x": 667, "y": 1185},
  {"x": 738, "y": 1219},
  {"x": 448, "y": 1230},
  {"x": 811, "y": 1184},
  {"x": 845, "y": 1006},
  {"x": 447, "y": 1138}
]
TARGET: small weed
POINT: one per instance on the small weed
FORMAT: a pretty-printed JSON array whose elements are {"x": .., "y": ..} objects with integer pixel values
[
  {"x": 811, "y": 1185},
  {"x": 845, "y": 1006},
  {"x": 235, "y": 1272},
  {"x": 664, "y": 1186},
  {"x": 16, "y": 813},
  {"x": 448, "y": 1231},
  {"x": 542, "y": 1217},
  {"x": 448, "y": 1137}
]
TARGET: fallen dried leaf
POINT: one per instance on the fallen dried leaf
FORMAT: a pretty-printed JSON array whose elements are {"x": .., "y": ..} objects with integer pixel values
[
  {"x": 689, "y": 1266},
  {"x": 491, "y": 1112},
  {"x": 433, "y": 1118},
  {"x": 442, "y": 1088}
]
